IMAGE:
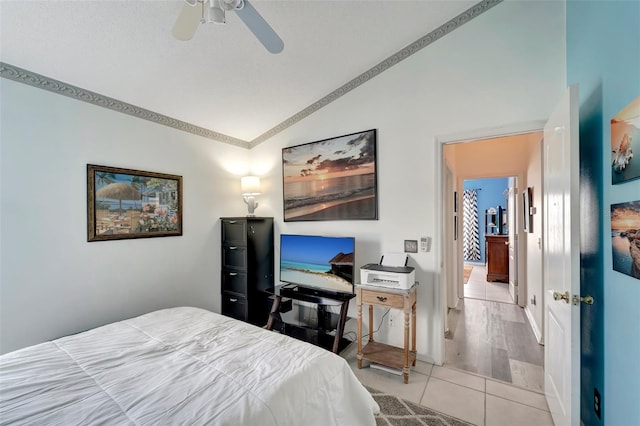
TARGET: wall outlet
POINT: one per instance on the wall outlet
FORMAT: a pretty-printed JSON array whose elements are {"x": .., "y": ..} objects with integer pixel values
[{"x": 390, "y": 321}]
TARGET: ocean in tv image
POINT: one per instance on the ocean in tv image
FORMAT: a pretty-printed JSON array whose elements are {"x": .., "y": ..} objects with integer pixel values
[
  {"x": 625, "y": 238},
  {"x": 317, "y": 261}
]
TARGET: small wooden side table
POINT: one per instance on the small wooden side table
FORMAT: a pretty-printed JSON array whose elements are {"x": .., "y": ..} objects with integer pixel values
[{"x": 381, "y": 353}]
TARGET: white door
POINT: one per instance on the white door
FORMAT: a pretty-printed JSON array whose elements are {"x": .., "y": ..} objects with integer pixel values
[
  {"x": 513, "y": 240},
  {"x": 561, "y": 257}
]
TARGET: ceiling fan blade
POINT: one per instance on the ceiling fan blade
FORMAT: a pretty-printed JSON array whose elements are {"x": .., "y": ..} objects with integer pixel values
[
  {"x": 187, "y": 22},
  {"x": 259, "y": 27}
]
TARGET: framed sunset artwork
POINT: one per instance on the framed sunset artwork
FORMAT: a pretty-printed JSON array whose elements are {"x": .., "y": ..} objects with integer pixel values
[
  {"x": 625, "y": 238},
  {"x": 331, "y": 179}
]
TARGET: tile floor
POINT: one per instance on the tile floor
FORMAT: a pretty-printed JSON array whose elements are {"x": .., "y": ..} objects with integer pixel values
[
  {"x": 478, "y": 288},
  {"x": 473, "y": 398}
]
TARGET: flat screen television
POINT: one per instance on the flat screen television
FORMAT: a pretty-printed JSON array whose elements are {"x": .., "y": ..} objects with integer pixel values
[{"x": 318, "y": 262}]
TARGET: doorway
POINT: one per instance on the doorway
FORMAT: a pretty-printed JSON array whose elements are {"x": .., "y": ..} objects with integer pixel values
[
  {"x": 486, "y": 233},
  {"x": 494, "y": 336}
]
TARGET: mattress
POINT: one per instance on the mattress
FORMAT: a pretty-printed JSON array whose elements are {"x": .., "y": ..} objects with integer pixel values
[{"x": 180, "y": 366}]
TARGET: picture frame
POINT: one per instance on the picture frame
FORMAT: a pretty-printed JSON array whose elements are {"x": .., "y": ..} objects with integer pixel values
[
  {"x": 625, "y": 238},
  {"x": 331, "y": 179},
  {"x": 527, "y": 209},
  {"x": 126, "y": 204},
  {"x": 625, "y": 139}
]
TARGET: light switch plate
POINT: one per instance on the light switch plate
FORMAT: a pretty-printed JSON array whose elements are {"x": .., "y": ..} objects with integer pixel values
[{"x": 410, "y": 246}]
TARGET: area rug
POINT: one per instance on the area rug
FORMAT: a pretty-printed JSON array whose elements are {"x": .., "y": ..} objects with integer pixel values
[
  {"x": 400, "y": 412},
  {"x": 467, "y": 272}
]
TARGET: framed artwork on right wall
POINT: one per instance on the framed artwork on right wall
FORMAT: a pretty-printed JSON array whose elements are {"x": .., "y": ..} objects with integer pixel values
[
  {"x": 625, "y": 139},
  {"x": 625, "y": 238}
]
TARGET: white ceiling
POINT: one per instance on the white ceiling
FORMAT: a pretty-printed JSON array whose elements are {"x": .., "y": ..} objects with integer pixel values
[{"x": 223, "y": 79}]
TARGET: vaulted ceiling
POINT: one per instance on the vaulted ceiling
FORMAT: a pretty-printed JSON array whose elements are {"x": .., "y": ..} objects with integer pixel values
[{"x": 223, "y": 79}]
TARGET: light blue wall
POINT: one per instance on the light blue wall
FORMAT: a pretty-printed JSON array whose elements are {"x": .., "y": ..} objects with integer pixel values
[
  {"x": 603, "y": 57},
  {"x": 490, "y": 194}
]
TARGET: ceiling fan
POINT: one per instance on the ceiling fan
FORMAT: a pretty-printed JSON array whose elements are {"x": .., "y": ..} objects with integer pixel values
[{"x": 197, "y": 12}]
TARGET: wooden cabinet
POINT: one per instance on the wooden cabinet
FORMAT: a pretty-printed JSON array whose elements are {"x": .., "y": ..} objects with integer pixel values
[
  {"x": 497, "y": 250},
  {"x": 381, "y": 353},
  {"x": 247, "y": 268}
]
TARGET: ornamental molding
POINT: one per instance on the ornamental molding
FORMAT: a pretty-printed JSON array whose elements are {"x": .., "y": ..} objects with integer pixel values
[
  {"x": 401, "y": 55},
  {"x": 42, "y": 82}
]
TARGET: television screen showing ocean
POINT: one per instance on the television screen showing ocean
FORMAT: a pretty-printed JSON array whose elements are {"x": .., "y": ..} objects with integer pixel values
[
  {"x": 620, "y": 253},
  {"x": 312, "y": 274},
  {"x": 302, "y": 266}
]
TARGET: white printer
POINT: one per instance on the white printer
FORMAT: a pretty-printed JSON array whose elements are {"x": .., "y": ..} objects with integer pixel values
[{"x": 391, "y": 272}]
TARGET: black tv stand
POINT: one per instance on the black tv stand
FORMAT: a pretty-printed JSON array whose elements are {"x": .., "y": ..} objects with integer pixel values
[{"x": 323, "y": 335}]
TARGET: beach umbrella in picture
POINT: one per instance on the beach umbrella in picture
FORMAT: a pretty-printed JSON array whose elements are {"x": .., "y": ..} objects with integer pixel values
[{"x": 118, "y": 191}]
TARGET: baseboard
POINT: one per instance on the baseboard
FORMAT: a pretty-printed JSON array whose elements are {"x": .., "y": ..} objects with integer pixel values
[
  {"x": 425, "y": 358},
  {"x": 534, "y": 326}
]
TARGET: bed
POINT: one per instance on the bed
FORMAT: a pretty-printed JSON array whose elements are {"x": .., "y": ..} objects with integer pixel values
[{"x": 180, "y": 366}]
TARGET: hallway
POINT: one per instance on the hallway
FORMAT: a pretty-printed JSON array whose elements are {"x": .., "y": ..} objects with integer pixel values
[{"x": 490, "y": 335}]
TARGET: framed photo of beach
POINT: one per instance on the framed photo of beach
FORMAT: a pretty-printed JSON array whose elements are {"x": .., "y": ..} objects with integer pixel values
[
  {"x": 625, "y": 139},
  {"x": 625, "y": 238},
  {"x": 124, "y": 203},
  {"x": 331, "y": 179}
]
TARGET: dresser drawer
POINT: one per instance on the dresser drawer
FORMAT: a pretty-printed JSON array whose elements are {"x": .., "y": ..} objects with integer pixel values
[
  {"x": 234, "y": 282},
  {"x": 234, "y": 307},
  {"x": 382, "y": 299},
  {"x": 234, "y": 232},
  {"x": 234, "y": 257}
]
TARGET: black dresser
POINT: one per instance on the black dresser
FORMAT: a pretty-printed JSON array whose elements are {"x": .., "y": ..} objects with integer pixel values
[{"x": 247, "y": 268}]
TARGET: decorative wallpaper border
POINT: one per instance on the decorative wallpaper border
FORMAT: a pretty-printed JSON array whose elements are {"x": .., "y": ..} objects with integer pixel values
[
  {"x": 36, "y": 80},
  {"x": 376, "y": 70}
]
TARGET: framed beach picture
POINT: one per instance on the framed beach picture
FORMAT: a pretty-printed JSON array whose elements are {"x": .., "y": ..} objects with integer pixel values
[
  {"x": 625, "y": 238},
  {"x": 625, "y": 139},
  {"x": 124, "y": 203},
  {"x": 331, "y": 179}
]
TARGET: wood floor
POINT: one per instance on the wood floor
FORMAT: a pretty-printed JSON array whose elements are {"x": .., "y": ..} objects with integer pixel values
[
  {"x": 495, "y": 340},
  {"x": 477, "y": 287}
]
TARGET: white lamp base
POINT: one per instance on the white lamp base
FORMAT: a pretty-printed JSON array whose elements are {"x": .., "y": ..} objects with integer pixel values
[{"x": 251, "y": 203}]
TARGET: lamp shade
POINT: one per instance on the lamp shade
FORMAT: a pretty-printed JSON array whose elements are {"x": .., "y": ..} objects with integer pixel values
[{"x": 250, "y": 185}]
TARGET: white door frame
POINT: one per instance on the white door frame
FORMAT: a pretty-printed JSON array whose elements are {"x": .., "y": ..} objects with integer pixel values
[{"x": 446, "y": 210}]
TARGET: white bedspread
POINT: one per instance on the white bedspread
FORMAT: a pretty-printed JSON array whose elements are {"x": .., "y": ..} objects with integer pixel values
[{"x": 180, "y": 366}]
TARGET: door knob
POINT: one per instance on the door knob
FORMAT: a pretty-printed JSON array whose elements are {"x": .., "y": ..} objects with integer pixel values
[
  {"x": 584, "y": 299},
  {"x": 561, "y": 296}
]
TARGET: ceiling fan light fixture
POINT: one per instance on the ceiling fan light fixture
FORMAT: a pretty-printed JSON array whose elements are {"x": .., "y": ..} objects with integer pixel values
[
  {"x": 232, "y": 4},
  {"x": 215, "y": 13}
]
